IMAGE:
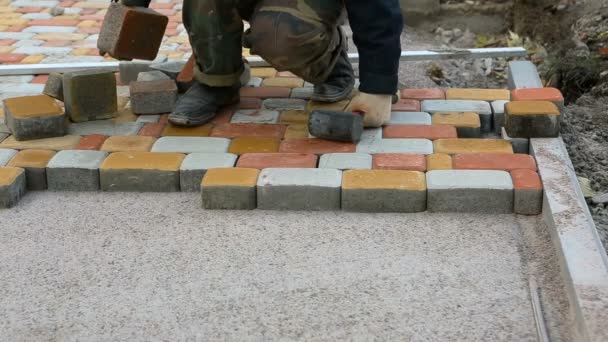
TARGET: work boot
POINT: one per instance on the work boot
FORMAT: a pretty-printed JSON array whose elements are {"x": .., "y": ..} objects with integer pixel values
[
  {"x": 339, "y": 84},
  {"x": 201, "y": 103}
]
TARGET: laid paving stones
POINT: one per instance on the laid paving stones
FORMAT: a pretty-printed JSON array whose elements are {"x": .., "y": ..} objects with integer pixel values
[
  {"x": 498, "y": 109},
  {"x": 237, "y": 130},
  {"x": 304, "y": 93},
  {"x": 67, "y": 142},
  {"x": 528, "y": 192},
  {"x": 406, "y": 105},
  {"x": 74, "y": 170},
  {"x": 141, "y": 172},
  {"x": 346, "y": 161},
  {"x": 284, "y": 104},
  {"x": 265, "y": 92},
  {"x": 431, "y": 132},
  {"x": 154, "y": 75},
  {"x": 54, "y": 86},
  {"x": 34, "y": 162},
  {"x": 195, "y": 165},
  {"x": 153, "y": 97},
  {"x": 332, "y": 106},
  {"x": 459, "y": 146},
  {"x": 34, "y": 117},
  {"x": 423, "y": 94},
  {"x": 191, "y": 145},
  {"x": 461, "y": 106},
  {"x": 90, "y": 95},
  {"x": 91, "y": 142},
  {"x": 254, "y": 145},
  {"x": 264, "y": 72},
  {"x": 277, "y": 160},
  {"x": 477, "y": 191},
  {"x": 150, "y": 118},
  {"x": 415, "y": 146},
  {"x": 106, "y": 127},
  {"x": 287, "y": 82},
  {"x": 538, "y": 94},
  {"x": 371, "y": 136},
  {"x": 121, "y": 143},
  {"x": 294, "y": 117},
  {"x": 299, "y": 189},
  {"x": 409, "y": 118},
  {"x": 478, "y": 94},
  {"x": 438, "y": 161},
  {"x": 6, "y": 155},
  {"x": 490, "y": 161},
  {"x": 256, "y": 116},
  {"x": 532, "y": 119},
  {"x": 523, "y": 74},
  {"x": 170, "y": 68},
  {"x": 230, "y": 189},
  {"x": 520, "y": 145},
  {"x": 399, "y": 161},
  {"x": 468, "y": 125},
  {"x": 12, "y": 186},
  {"x": 315, "y": 146},
  {"x": 384, "y": 191},
  {"x": 171, "y": 130}
]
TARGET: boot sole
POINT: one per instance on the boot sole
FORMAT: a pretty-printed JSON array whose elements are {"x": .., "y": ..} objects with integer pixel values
[{"x": 189, "y": 121}]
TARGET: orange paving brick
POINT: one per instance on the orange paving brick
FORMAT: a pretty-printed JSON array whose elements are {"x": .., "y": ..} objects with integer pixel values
[
  {"x": 180, "y": 131},
  {"x": 297, "y": 131},
  {"x": 384, "y": 179},
  {"x": 461, "y": 146},
  {"x": 67, "y": 142},
  {"x": 488, "y": 161},
  {"x": 287, "y": 82},
  {"x": 91, "y": 142},
  {"x": 466, "y": 119},
  {"x": 286, "y": 74},
  {"x": 423, "y": 94},
  {"x": 32, "y": 59},
  {"x": 11, "y": 57},
  {"x": 54, "y": 22},
  {"x": 531, "y": 108},
  {"x": 162, "y": 161},
  {"x": 265, "y": 92},
  {"x": 8, "y": 175},
  {"x": 537, "y": 94},
  {"x": 399, "y": 161},
  {"x": 277, "y": 160},
  {"x": 431, "y": 132},
  {"x": 438, "y": 161},
  {"x": 526, "y": 180},
  {"x": 478, "y": 94},
  {"x": 152, "y": 129},
  {"x": 237, "y": 130},
  {"x": 24, "y": 107},
  {"x": 315, "y": 146},
  {"x": 224, "y": 116},
  {"x": 406, "y": 105},
  {"x": 294, "y": 117},
  {"x": 7, "y": 42},
  {"x": 57, "y": 43},
  {"x": 128, "y": 144},
  {"x": 244, "y": 145},
  {"x": 31, "y": 158}
]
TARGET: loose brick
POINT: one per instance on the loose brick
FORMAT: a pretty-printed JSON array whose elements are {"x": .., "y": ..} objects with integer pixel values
[
  {"x": 476, "y": 191},
  {"x": 233, "y": 189},
  {"x": 489, "y": 161},
  {"x": 461, "y": 106},
  {"x": 286, "y": 82},
  {"x": 284, "y": 104},
  {"x": 520, "y": 145},
  {"x": 315, "y": 146},
  {"x": 438, "y": 161},
  {"x": 141, "y": 172},
  {"x": 384, "y": 191},
  {"x": 91, "y": 142},
  {"x": 406, "y": 105},
  {"x": 415, "y": 146},
  {"x": 74, "y": 170},
  {"x": 256, "y": 116},
  {"x": 538, "y": 94},
  {"x": 191, "y": 145},
  {"x": 153, "y": 75},
  {"x": 12, "y": 186},
  {"x": 468, "y": 125},
  {"x": 399, "y": 161},
  {"x": 248, "y": 130},
  {"x": 265, "y": 92},
  {"x": 299, "y": 189},
  {"x": 153, "y": 97},
  {"x": 431, "y": 132},
  {"x": 346, "y": 161},
  {"x": 498, "y": 110},
  {"x": 128, "y": 144},
  {"x": 423, "y": 94},
  {"x": 67, "y": 142},
  {"x": 129, "y": 71},
  {"x": 195, "y": 165},
  {"x": 528, "y": 192},
  {"x": 131, "y": 32},
  {"x": 523, "y": 74},
  {"x": 169, "y": 68},
  {"x": 181, "y": 131},
  {"x": 106, "y": 127},
  {"x": 90, "y": 95},
  {"x": 532, "y": 119},
  {"x": 277, "y": 160},
  {"x": 34, "y": 117},
  {"x": 34, "y": 162},
  {"x": 478, "y": 94},
  {"x": 459, "y": 146},
  {"x": 409, "y": 118},
  {"x": 6, "y": 154},
  {"x": 54, "y": 86}
]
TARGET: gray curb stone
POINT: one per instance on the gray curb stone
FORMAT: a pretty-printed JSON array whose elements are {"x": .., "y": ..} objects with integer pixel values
[
  {"x": 6, "y": 154},
  {"x": 523, "y": 74},
  {"x": 410, "y": 118},
  {"x": 105, "y": 127},
  {"x": 299, "y": 189},
  {"x": 195, "y": 166},
  {"x": 415, "y": 146},
  {"x": 139, "y": 180},
  {"x": 191, "y": 145},
  {"x": 11, "y": 194},
  {"x": 346, "y": 161},
  {"x": 71, "y": 170}
]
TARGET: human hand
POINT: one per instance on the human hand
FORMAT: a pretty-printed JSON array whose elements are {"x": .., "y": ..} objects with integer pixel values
[{"x": 377, "y": 108}]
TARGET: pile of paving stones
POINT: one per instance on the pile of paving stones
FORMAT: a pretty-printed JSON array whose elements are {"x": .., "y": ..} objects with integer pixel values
[{"x": 441, "y": 151}]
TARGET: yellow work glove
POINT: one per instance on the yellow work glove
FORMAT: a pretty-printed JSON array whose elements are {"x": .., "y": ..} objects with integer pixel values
[{"x": 377, "y": 108}]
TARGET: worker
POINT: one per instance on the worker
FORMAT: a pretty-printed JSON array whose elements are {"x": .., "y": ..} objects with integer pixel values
[{"x": 301, "y": 36}]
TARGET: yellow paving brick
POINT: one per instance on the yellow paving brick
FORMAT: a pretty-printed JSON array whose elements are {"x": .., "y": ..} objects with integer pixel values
[
  {"x": 128, "y": 144},
  {"x": 60, "y": 36},
  {"x": 384, "y": 179},
  {"x": 296, "y": 131},
  {"x": 455, "y": 146},
  {"x": 125, "y": 115},
  {"x": 336, "y": 106},
  {"x": 143, "y": 161},
  {"x": 178, "y": 131},
  {"x": 438, "y": 161},
  {"x": 67, "y": 142},
  {"x": 178, "y": 39},
  {"x": 31, "y": 158},
  {"x": 254, "y": 145},
  {"x": 467, "y": 119},
  {"x": 9, "y": 15},
  {"x": 294, "y": 117},
  {"x": 531, "y": 108},
  {"x": 33, "y": 59},
  {"x": 478, "y": 94},
  {"x": 287, "y": 82},
  {"x": 32, "y": 106},
  {"x": 3, "y": 28},
  {"x": 81, "y": 52},
  {"x": 87, "y": 23},
  {"x": 231, "y": 177},
  {"x": 14, "y": 22},
  {"x": 6, "y": 49},
  {"x": 263, "y": 72},
  {"x": 9, "y": 174}
]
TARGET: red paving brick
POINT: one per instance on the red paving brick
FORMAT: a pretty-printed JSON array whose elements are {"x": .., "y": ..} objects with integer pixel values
[
  {"x": 91, "y": 142},
  {"x": 40, "y": 79},
  {"x": 249, "y": 103},
  {"x": 223, "y": 117},
  {"x": 399, "y": 161},
  {"x": 315, "y": 146},
  {"x": 11, "y": 57},
  {"x": 7, "y": 42},
  {"x": 405, "y": 105},
  {"x": 277, "y": 160},
  {"x": 236, "y": 130},
  {"x": 431, "y": 132},
  {"x": 265, "y": 92},
  {"x": 57, "y": 43},
  {"x": 29, "y": 9},
  {"x": 152, "y": 129},
  {"x": 492, "y": 161},
  {"x": 537, "y": 94},
  {"x": 526, "y": 180},
  {"x": 16, "y": 28},
  {"x": 423, "y": 94}
]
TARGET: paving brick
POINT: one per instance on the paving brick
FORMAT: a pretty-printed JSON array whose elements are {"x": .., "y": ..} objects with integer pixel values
[
  {"x": 233, "y": 188},
  {"x": 54, "y": 86},
  {"x": 423, "y": 94},
  {"x": 34, "y": 162},
  {"x": 74, "y": 170},
  {"x": 90, "y": 95},
  {"x": 248, "y": 103},
  {"x": 150, "y": 118},
  {"x": 128, "y": 144},
  {"x": 223, "y": 116},
  {"x": 284, "y": 104},
  {"x": 255, "y": 116},
  {"x": 528, "y": 192},
  {"x": 304, "y": 93},
  {"x": 477, "y": 94},
  {"x": 191, "y": 145},
  {"x": 384, "y": 191},
  {"x": 523, "y": 74},
  {"x": 415, "y": 146},
  {"x": 153, "y": 75},
  {"x": 153, "y": 129},
  {"x": 460, "y": 146},
  {"x": 406, "y": 105},
  {"x": 409, "y": 118},
  {"x": 538, "y": 94},
  {"x": 478, "y": 191},
  {"x": 170, "y": 68},
  {"x": 67, "y": 142},
  {"x": 277, "y": 160},
  {"x": 6, "y": 154},
  {"x": 461, "y": 106},
  {"x": 254, "y": 82},
  {"x": 346, "y": 161},
  {"x": 520, "y": 145},
  {"x": 438, "y": 161},
  {"x": 263, "y": 72},
  {"x": 399, "y": 161},
  {"x": 34, "y": 117},
  {"x": 153, "y": 97},
  {"x": 141, "y": 172},
  {"x": 299, "y": 189},
  {"x": 233, "y": 130},
  {"x": 468, "y": 125},
  {"x": 431, "y": 132},
  {"x": 121, "y": 24},
  {"x": 12, "y": 186},
  {"x": 265, "y": 92},
  {"x": 297, "y": 131},
  {"x": 180, "y": 131},
  {"x": 254, "y": 145},
  {"x": 490, "y": 161},
  {"x": 286, "y": 82},
  {"x": 129, "y": 70},
  {"x": 185, "y": 78},
  {"x": 315, "y": 146},
  {"x": 91, "y": 142},
  {"x": 105, "y": 127},
  {"x": 498, "y": 113},
  {"x": 289, "y": 117},
  {"x": 532, "y": 119},
  {"x": 195, "y": 165}
]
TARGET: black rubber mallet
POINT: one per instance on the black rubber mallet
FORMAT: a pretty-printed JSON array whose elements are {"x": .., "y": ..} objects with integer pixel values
[{"x": 338, "y": 126}]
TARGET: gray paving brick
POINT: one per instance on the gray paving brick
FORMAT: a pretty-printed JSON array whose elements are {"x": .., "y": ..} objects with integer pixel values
[
  {"x": 258, "y": 116},
  {"x": 90, "y": 95},
  {"x": 304, "y": 93},
  {"x": 409, "y": 118},
  {"x": 35, "y": 3},
  {"x": 50, "y": 29},
  {"x": 6, "y": 154},
  {"x": 28, "y": 42},
  {"x": 16, "y": 35},
  {"x": 498, "y": 110},
  {"x": 148, "y": 118},
  {"x": 416, "y": 146},
  {"x": 4, "y": 129},
  {"x": 71, "y": 170},
  {"x": 191, "y": 145},
  {"x": 371, "y": 136},
  {"x": 299, "y": 189},
  {"x": 528, "y": 201},
  {"x": 36, "y": 16},
  {"x": 523, "y": 74},
  {"x": 54, "y": 86},
  {"x": 105, "y": 127},
  {"x": 284, "y": 104},
  {"x": 153, "y": 75},
  {"x": 16, "y": 79},
  {"x": 434, "y": 106},
  {"x": 195, "y": 165},
  {"x": 470, "y": 191},
  {"x": 254, "y": 82},
  {"x": 11, "y": 192},
  {"x": 520, "y": 145},
  {"x": 128, "y": 71},
  {"x": 170, "y": 68},
  {"x": 346, "y": 161},
  {"x": 44, "y": 50},
  {"x": 13, "y": 89}
]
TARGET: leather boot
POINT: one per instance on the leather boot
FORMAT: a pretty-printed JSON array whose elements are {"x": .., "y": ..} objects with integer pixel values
[{"x": 201, "y": 103}]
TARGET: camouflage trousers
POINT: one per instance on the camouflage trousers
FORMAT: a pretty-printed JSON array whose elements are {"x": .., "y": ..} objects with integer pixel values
[{"x": 301, "y": 36}]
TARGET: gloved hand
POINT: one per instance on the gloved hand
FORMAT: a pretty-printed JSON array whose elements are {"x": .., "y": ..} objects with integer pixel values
[{"x": 377, "y": 108}]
